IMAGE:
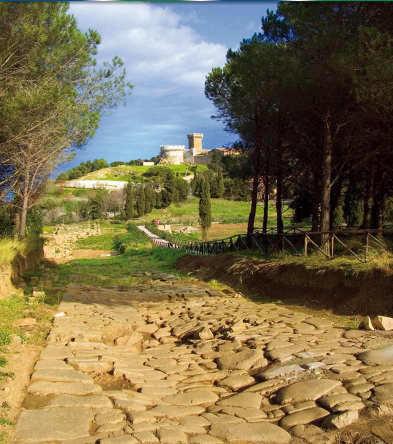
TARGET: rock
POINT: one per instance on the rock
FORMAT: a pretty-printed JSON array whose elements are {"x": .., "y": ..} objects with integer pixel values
[
  {"x": 53, "y": 424},
  {"x": 248, "y": 413},
  {"x": 366, "y": 324},
  {"x": 341, "y": 420},
  {"x": 244, "y": 399},
  {"x": 93, "y": 401},
  {"x": 281, "y": 371},
  {"x": 333, "y": 400},
  {"x": 303, "y": 417},
  {"x": 254, "y": 433},
  {"x": 383, "y": 392},
  {"x": 174, "y": 411},
  {"x": 236, "y": 382},
  {"x": 124, "y": 439},
  {"x": 242, "y": 360},
  {"x": 172, "y": 436},
  {"x": 60, "y": 375},
  {"x": 306, "y": 390},
  {"x": 381, "y": 356},
  {"x": 58, "y": 388},
  {"x": 382, "y": 323},
  {"x": 146, "y": 438},
  {"x": 204, "y": 439},
  {"x": 194, "y": 397},
  {"x": 205, "y": 333}
]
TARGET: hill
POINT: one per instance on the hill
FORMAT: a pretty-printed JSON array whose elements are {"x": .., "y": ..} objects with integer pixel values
[{"x": 124, "y": 172}]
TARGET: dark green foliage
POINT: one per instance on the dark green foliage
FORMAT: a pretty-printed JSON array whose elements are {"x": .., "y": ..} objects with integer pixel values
[
  {"x": 170, "y": 188},
  {"x": 6, "y": 220},
  {"x": 149, "y": 198},
  {"x": 302, "y": 206},
  {"x": 97, "y": 204},
  {"x": 353, "y": 205},
  {"x": 83, "y": 168},
  {"x": 220, "y": 184},
  {"x": 140, "y": 201},
  {"x": 129, "y": 208},
  {"x": 205, "y": 216},
  {"x": 236, "y": 189}
]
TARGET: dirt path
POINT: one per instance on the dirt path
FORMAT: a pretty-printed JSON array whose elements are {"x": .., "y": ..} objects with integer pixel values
[{"x": 171, "y": 360}]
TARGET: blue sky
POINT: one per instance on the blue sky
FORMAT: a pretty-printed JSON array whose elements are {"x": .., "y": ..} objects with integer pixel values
[{"x": 168, "y": 49}]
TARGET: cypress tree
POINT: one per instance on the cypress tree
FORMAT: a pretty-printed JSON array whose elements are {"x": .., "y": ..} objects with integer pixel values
[
  {"x": 170, "y": 187},
  {"x": 220, "y": 184},
  {"x": 205, "y": 217},
  {"x": 140, "y": 201},
  {"x": 129, "y": 208},
  {"x": 148, "y": 190}
]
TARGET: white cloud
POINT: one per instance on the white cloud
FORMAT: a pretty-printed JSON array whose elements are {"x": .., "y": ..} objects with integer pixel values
[{"x": 162, "y": 54}]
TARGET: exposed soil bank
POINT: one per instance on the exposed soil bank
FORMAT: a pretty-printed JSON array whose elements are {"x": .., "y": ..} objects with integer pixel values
[
  {"x": 11, "y": 274},
  {"x": 369, "y": 292}
]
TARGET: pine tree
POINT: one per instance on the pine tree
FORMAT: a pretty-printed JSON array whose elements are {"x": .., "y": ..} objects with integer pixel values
[
  {"x": 129, "y": 208},
  {"x": 205, "y": 217}
]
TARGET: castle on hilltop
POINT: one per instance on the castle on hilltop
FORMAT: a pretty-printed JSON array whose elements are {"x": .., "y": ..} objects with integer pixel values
[{"x": 178, "y": 154}]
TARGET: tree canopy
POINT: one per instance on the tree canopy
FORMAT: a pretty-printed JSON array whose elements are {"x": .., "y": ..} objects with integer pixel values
[
  {"x": 311, "y": 98},
  {"x": 53, "y": 93}
]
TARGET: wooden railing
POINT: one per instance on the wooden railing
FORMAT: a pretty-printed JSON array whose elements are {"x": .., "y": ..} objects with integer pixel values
[{"x": 356, "y": 243}]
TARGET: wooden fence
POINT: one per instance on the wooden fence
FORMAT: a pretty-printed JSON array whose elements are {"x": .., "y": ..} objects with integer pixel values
[{"x": 356, "y": 243}]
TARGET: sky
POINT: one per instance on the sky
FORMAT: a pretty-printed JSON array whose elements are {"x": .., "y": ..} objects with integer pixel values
[{"x": 168, "y": 50}]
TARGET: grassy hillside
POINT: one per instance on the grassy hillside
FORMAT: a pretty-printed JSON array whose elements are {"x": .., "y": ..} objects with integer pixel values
[
  {"x": 123, "y": 172},
  {"x": 223, "y": 211}
]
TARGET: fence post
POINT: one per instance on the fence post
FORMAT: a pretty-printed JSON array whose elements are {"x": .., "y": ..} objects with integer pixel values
[
  {"x": 332, "y": 245},
  {"x": 305, "y": 244}
]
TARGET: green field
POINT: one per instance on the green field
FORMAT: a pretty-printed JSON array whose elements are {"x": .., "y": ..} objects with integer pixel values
[
  {"x": 138, "y": 255},
  {"x": 123, "y": 172},
  {"x": 223, "y": 211}
]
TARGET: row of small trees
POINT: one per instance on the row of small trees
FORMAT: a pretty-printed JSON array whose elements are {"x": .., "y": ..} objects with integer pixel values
[{"x": 141, "y": 198}]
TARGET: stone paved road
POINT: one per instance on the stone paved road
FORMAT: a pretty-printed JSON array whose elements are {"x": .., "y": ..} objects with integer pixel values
[{"x": 174, "y": 362}]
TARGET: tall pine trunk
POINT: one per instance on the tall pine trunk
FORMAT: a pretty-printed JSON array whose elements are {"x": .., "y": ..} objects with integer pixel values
[
  {"x": 366, "y": 200},
  {"x": 280, "y": 222},
  {"x": 266, "y": 190},
  {"x": 326, "y": 180},
  {"x": 254, "y": 201},
  {"x": 254, "y": 192}
]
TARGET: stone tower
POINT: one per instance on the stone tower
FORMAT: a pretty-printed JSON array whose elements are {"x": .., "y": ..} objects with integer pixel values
[{"x": 195, "y": 143}]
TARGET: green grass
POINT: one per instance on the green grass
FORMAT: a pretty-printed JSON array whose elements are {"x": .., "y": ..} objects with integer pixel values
[
  {"x": 123, "y": 172},
  {"x": 103, "y": 241},
  {"x": 349, "y": 264},
  {"x": 223, "y": 211},
  {"x": 9, "y": 248},
  {"x": 137, "y": 256}
]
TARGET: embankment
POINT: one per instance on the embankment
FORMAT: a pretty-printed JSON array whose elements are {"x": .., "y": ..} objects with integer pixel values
[
  {"x": 17, "y": 258},
  {"x": 367, "y": 292}
]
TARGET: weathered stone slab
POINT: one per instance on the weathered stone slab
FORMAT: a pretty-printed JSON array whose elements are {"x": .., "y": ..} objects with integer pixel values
[
  {"x": 381, "y": 356},
  {"x": 59, "y": 388},
  {"x": 92, "y": 401},
  {"x": 304, "y": 417},
  {"x": 242, "y": 360},
  {"x": 255, "y": 433},
  {"x": 194, "y": 397},
  {"x": 244, "y": 399},
  {"x": 306, "y": 390},
  {"x": 53, "y": 424}
]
